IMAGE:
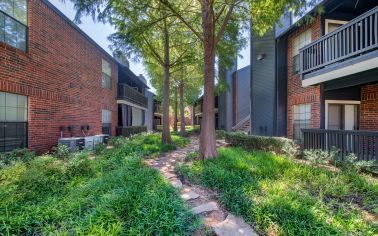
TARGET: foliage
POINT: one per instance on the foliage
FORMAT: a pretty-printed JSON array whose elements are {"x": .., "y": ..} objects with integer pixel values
[
  {"x": 220, "y": 134},
  {"x": 349, "y": 163},
  {"x": 113, "y": 194},
  {"x": 319, "y": 156},
  {"x": 282, "y": 197},
  {"x": 192, "y": 156},
  {"x": 19, "y": 155},
  {"x": 278, "y": 145},
  {"x": 99, "y": 148},
  {"x": 61, "y": 151},
  {"x": 131, "y": 130}
]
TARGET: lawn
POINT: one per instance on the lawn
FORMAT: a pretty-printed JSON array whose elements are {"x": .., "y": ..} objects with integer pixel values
[
  {"x": 279, "y": 196},
  {"x": 110, "y": 193}
]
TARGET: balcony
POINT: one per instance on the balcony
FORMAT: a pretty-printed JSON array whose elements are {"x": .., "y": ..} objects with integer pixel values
[
  {"x": 350, "y": 49},
  {"x": 125, "y": 92},
  {"x": 364, "y": 144}
]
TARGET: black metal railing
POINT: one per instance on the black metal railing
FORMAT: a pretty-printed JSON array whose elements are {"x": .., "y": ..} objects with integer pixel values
[
  {"x": 13, "y": 135},
  {"x": 126, "y": 92},
  {"x": 358, "y": 36},
  {"x": 364, "y": 144}
]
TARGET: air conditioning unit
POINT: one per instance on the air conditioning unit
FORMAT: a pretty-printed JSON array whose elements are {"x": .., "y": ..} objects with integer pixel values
[
  {"x": 72, "y": 143},
  {"x": 103, "y": 138},
  {"x": 89, "y": 143}
]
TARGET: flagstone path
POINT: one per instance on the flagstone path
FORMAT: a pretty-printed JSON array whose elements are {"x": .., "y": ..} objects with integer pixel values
[{"x": 203, "y": 202}]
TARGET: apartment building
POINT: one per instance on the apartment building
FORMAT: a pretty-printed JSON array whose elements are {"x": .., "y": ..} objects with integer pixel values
[
  {"x": 317, "y": 83},
  {"x": 131, "y": 99},
  {"x": 55, "y": 81}
]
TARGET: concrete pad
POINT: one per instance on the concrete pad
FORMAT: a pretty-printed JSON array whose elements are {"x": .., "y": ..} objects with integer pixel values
[
  {"x": 207, "y": 207},
  {"x": 233, "y": 226}
]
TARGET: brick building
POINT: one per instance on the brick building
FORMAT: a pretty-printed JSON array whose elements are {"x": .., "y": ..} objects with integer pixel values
[
  {"x": 54, "y": 80},
  {"x": 322, "y": 78}
]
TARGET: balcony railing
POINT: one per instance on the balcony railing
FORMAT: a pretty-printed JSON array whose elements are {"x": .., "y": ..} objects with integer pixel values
[
  {"x": 357, "y": 37},
  {"x": 125, "y": 92},
  {"x": 364, "y": 144}
]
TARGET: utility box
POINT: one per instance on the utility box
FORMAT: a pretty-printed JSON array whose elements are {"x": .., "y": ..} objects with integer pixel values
[
  {"x": 104, "y": 138},
  {"x": 73, "y": 143}
]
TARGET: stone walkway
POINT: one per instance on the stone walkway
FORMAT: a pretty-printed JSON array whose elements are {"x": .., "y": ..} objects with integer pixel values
[{"x": 203, "y": 202}]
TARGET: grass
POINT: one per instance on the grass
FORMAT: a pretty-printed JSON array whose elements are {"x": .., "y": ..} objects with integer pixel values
[
  {"x": 282, "y": 197},
  {"x": 112, "y": 193}
]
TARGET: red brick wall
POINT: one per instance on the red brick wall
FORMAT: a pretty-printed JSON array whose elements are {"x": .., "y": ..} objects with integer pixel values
[
  {"x": 369, "y": 107},
  {"x": 61, "y": 75},
  {"x": 296, "y": 93}
]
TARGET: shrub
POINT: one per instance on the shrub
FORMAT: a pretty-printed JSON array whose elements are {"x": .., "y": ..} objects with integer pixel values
[
  {"x": 278, "y": 145},
  {"x": 61, "y": 151},
  {"x": 319, "y": 156},
  {"x": 79, "y": 165},
  {"x": 131, "y": 130},
  {"x": 220, "y": 134},
  {"x": 99, "y": 148},
  {"x": 19, "y": 155},
  {"x": 192, "y": 156}
]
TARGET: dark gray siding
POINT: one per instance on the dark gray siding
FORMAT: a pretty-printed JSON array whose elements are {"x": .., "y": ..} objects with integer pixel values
[
  {"x": 263, "y": 85},
  {"x": 281, "y": 87},
  {"x": 244, "y": 91},
  {"x": 225, "y": 106}
]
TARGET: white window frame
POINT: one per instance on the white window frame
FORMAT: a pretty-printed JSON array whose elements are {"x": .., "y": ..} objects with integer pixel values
[
  {"x": 330, "y": 21},
  {"x": 339, "y": 102},
  {"x": 294, "y": 113}
]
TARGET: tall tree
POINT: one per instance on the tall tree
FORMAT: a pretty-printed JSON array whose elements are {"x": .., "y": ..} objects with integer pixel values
[
  {"x": 209, "y": 20},
  {"x": 143, "y": 29}
]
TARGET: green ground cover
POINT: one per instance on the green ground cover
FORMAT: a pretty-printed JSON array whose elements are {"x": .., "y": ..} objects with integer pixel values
[
  {"x": 280, "y": 196},
  {"x": 110, "y": 193}
]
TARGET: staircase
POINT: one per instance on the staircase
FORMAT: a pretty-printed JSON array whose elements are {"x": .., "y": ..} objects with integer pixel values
[{"x": 244, "y": 125}]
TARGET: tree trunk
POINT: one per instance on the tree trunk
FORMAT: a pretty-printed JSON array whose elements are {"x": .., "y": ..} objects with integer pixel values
[
  {"x": 207, "y": 138},
  {"x": 166, "y": 135},
  {"x": 182, "y": 111},
  {"x": 175, "y": 112}
]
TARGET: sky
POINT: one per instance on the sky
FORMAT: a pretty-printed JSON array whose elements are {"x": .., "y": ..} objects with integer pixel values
[{"x": 99, "y": 32}]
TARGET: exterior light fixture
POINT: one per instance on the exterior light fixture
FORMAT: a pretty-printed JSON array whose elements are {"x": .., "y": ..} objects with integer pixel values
[{"x": 260, "y": 56}]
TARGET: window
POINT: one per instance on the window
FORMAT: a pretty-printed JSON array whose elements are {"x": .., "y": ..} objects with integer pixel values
[
  {"x": 13, "y": 121},
  {"x": 342, "y": 115},
  {"x": 299, "y": 42},
  {"x": 106, "y": 74},
  {"x": 302, "y": 120},
  {"x": 106, "y": 122},
  {"x": 332, "y": 25},
  {"x": 13, "y": 23}
]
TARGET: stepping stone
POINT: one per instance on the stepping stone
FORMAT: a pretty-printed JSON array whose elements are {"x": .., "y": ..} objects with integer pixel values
[
  {"x": 207, "y": 207},
  {"x": 189, "y": 196},
  {"x": 169, "y": 175},
  {"x": 233, "y": 226},
  {"x": 176, "y": 183}
]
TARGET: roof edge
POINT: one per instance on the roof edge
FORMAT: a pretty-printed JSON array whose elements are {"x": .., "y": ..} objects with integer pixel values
[{"x": 77, "y": 28}]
